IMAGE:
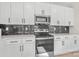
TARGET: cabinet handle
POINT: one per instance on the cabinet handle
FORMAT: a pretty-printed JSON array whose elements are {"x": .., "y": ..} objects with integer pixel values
[
  {"x": 8, "y": 20},
  {"x": 62, "y": 43},
  {"x": 69, "y": 22},
  {"x": 57, "y": 38},
  {"x": 75, "y": 41},
  {"x": 42, "y": 12},
  {"x": 22, "y": 20},
  {"x": 20, "y": 48},
  {"x": 58, "y": 22}
]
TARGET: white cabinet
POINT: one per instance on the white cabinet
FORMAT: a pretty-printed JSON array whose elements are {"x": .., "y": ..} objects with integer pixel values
[
  {"x": 57, "y": 17},
  {"x": 4, "y": 13},
  {"x": 3, "y": 51},
  {"x": 75, "y": 39},
  {"x": 53, "y": 15},
  {"x": 29, "y": 13},
  {"x": 18, "y": 47},
  {"x": 29, "y": 47},
  {"x": 17, "y": 13},
  {"x": 9, "y": 48},
  {"x": 58, "y": 45},
  {"x": 42, "y": 9},
  {"x": 69, "y": 16},
  {"x": 13, "y": 48},
  {"x": 68, "y": 44},
  {"x": 29, "y": 50},
  {"x": 62, "y": 16}
]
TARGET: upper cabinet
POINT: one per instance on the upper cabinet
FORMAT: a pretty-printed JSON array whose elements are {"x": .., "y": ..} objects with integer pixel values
[
  {"x": 17, "y": 13},
  {"x": 57, "y": 16},
  {"x": 24, "y": 13},
  {"x": 4, "y": 13},
  {"x": 28, "y": 13},
  {"x": 42, "y": 9},
  {"x": 69, "y": 16},
  {"x": 61, "y": 16}
]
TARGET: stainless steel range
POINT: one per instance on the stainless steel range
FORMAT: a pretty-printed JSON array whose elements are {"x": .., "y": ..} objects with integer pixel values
[{"x": 44, "y": 41}]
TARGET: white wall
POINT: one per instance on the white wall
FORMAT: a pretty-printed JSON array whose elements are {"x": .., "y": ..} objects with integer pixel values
[{"x": 75, "y": 28}]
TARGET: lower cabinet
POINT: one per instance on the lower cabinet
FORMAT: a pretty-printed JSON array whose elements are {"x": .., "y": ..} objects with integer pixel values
[
  {"x": 29, "y": 50},
  {"x": 58, "y": 48},
  {"x": 75, "y": 39},
  {"x": 14, "y": 50},
  {"x": 17, "y": 48},
  {"x": 66, "y": 43}
]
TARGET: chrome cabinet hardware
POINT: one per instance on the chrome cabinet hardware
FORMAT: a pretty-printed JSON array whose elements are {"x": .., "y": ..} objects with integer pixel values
[
  {"x": 75, "y": 41},
  {"x": 58, "y": 22},
  {"x": 24, "y": 20},
  {"x": 69, "y": 22},
  {"x": 20, "y": 48},
  {"x": 62, "y": 43},
  {"x": 42, "y": 11},
  {"x": 13, "y": 41},
  {"x": 58, "y": 38},
  {"x": 28, "y": 40},
  {"x": 8, "y": 20}
]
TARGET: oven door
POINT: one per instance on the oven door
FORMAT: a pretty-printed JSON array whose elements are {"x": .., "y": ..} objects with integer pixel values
[{"x": 45, "y": 46}]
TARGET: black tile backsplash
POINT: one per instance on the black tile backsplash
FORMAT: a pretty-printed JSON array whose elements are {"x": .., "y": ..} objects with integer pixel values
[
  {"x": 59, "y": 29},
  {"x": 17, "y": 29}
]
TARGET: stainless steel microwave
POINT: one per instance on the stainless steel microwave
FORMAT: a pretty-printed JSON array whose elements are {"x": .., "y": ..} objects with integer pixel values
[{"x": 42, "y": 19}]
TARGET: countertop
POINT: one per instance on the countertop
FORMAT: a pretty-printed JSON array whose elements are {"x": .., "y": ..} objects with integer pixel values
[
  {"x": 64, "y": 34},
  {"x": 17, "y": 36}
]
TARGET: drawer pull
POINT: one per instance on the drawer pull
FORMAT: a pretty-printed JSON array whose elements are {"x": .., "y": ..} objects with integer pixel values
[
  {"x": 13, "y": 41},
  {"x": 28, "y": 40},
  {"x": 57, "y": 38}
]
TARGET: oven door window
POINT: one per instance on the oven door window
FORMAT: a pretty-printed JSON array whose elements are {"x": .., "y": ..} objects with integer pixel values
[{"x": 44, "y": 46}]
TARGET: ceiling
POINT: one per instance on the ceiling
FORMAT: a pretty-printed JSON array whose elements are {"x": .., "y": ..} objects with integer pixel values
[{"x": 67, "y": 4}]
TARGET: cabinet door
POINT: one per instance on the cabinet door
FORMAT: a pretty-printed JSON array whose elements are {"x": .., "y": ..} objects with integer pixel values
[
  {"x": 3, "y": 47},
  {"x": 29, "y": 13},
  {"x": 42, "y": 9},
  {"x": 53, "y": 15},
  {"x": 29, "y": 47},
  {"x": 58, "y": 45},
  {"x": 68, "y": 43},
  {"x": 76, "y": 43},
  {"x": 69, "y": 17},
  {"x": 10, "y": 48},
  {"x": 13, "y": 48},
  {"x": 4, "y": 13},
  {"x": 72, "y": 43},
  {"x": 17, "y": 12},
  {"x": 29, "y": 50},
  {"x": 60, "y": 15}
]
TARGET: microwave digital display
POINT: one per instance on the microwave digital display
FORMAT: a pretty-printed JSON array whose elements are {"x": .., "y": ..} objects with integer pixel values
[{"x": 41, "y": 20}]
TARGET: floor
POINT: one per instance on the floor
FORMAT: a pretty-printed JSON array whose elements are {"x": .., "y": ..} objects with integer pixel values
[
  {"x": 71, "y": 54},
  {"x": 47, "y": 54},
  {"x": 50, "y": 54}
]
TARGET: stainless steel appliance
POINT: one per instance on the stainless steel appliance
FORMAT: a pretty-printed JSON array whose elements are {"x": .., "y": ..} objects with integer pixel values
[{"x": 44, "y": 41}]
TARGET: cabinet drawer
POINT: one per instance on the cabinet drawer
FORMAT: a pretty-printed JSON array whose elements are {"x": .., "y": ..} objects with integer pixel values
[
  {"x": 28, "y": 41},
  {"x": 13, "y": 41}
]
